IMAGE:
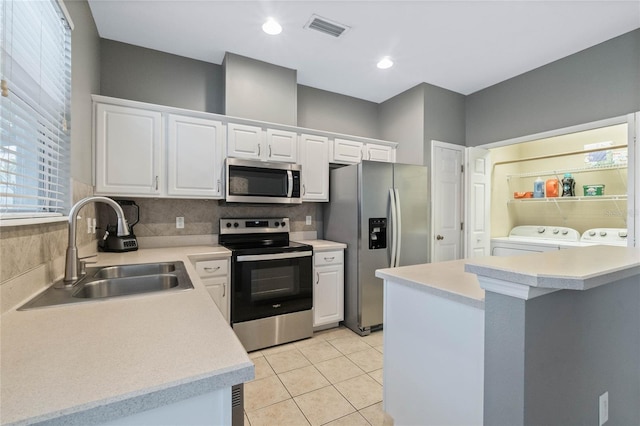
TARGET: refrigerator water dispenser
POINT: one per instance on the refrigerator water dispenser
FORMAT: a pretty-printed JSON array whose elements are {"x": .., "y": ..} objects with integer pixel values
[{"x": 377, "y": 233}]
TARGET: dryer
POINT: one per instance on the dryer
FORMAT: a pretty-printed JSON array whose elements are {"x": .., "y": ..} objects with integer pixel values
[
  {"x": 605, "y": 236},
  {"x": 535, "y": 239}
]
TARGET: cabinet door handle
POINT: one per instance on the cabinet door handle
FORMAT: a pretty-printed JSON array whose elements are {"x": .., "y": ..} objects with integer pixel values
[
  {"x": 258, "y": 150},
  {"x": 157, "y": 178},
  {"x": 317, "y": 278},
  {"x": 329, "y": 259},
  {"x": 369, "y": 157},
  {"x": 304, "y": 189},
  {"x": 218, "y": 185},
  {"x": 210, "y": 269},
  {"x": 361, "y": 155},
  {"x": 269, "y": 151},
  {"x": 224, "y": 289}
]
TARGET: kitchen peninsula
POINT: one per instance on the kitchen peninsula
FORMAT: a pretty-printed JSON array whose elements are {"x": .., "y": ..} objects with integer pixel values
[
  {"x": 552, "y": 333},
  {"x": 159, "y": 358}
]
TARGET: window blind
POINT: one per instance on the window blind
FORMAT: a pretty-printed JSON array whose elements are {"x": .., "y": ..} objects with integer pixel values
[{"x": 35, "y": 155}]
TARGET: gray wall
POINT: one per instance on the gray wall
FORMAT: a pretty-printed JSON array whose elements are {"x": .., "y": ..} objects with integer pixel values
[
  {"x": 85, "y": 80},
  {"x": 259, "y": 91},
  {"x": 419, "y": 115},
  {"x": 401, "y": 120},
  {"x": 444, "y": 115},
  {"x": 547, "y": 360},
  {"x": 319, "y": 109},
  {"x": 146, "y": 75},
  {"x": 596, "y": 83}
]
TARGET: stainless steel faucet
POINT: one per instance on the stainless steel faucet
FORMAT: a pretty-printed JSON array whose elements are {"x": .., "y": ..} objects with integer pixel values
[{"x": 72, "y": 262}]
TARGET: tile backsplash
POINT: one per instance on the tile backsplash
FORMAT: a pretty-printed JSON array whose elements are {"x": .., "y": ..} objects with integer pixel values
[
  {"x": 202, "y": 217},
  {"x": 25, "y": 247}
]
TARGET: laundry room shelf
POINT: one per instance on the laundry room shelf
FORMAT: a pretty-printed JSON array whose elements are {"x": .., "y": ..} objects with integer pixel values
[
  {"x": 570, "y": 199},
  {"x": 561, "y": 172}
]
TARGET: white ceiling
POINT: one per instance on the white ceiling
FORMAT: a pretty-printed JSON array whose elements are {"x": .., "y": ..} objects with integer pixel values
[{"x": 463, "y": 46}]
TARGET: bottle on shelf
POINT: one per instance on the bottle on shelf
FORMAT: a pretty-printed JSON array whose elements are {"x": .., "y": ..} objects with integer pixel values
[
  {"x": 538, "y": 188},
  {"x": 568, "y": 186},
  {"x": 552, "y": 187}
]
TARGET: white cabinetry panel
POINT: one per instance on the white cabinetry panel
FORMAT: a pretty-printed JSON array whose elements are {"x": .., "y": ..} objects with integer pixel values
[
  {"x": 195, "y": 157},
  {"x": 245, "y": 141},
  {"x": 328, "y": 288},
  {"x": 128, "y": 150},
  {"x": 315, "y": 167}
]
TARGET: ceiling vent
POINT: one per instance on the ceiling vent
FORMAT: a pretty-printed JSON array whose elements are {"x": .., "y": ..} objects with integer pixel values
[{"x": 326, "y": 26}]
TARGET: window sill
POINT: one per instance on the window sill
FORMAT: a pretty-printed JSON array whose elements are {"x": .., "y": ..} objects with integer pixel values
[{"x": 5, "y": 223}]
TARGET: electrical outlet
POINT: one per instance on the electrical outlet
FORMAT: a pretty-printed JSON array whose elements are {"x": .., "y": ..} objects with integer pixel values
[
  {"x": 179, "y": 222},
  {"x": 604, "y": 408},
  {"x": 308, "y": 220}
]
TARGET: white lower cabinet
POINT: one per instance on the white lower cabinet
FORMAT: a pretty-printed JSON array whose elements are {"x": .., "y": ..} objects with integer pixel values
[
  {"x": 328, "y": 288},
  {"x": 215, "y": 277}
]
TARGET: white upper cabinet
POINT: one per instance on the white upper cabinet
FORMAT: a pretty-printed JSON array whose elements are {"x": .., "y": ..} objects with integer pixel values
[
  {"x": 346, "y": 152},
  {"x": 137, "y": 155},
  {"x": 282, "y": 146},
  {"x": 252, "y": 142},
  {"x": 244, "y": 141},
  {"x": 195, "y": 157},
  {"x": 376, "y": 152},
  {"x": 128, "y": 151},
  {"x": 314, "y": 153}
]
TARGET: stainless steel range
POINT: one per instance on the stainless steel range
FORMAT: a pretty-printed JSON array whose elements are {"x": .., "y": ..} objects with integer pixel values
[{"x": 271, "y": 282}]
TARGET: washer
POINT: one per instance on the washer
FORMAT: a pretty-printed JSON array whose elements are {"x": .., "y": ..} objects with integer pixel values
[
  {"x": 535, "y": 239},
  {"x": 605, "y": 236}
]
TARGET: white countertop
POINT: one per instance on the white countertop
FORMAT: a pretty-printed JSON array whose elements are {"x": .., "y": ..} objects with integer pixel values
[
  {"x": 324, "y": 245},
  {"x": 579, "y": 268},
  {"x": 95, "y": 361},
  {"x": 445, "y": 279}
]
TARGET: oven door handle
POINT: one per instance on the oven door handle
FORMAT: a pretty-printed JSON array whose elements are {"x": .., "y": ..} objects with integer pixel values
[{"x": 274, "y": 256}]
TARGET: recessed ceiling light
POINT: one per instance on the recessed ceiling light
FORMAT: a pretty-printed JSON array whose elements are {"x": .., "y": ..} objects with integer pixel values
[
  {"x": 385, "y": 63},
  {"x": 271, "y": 27}
]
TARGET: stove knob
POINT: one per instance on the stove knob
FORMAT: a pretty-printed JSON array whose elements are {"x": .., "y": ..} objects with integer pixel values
[
  {"x": 555, "y": 231},
  {"x": 592, "y": 233},
  {"x": 541, "y": 230},
  {"x": 228, "y": 224},
  {"x": 622, "y": 234},
  {"x": 236, "y": 224},
  {"x": 276, "y": 224},
  {"x": 565, "y": 231},
  {"x": 283, "y": 224},
  {"x": 603, "y": 233}
]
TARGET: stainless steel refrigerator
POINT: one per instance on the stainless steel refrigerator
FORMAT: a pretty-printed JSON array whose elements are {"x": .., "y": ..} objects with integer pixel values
[{"x": 380, "y": 210}]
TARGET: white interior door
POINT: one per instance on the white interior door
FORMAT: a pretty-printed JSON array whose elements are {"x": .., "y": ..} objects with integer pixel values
[
  {"x": 633, "y": 206},
  {"x": 477, "y": 235},
  {"x": 446, "y": 196}
]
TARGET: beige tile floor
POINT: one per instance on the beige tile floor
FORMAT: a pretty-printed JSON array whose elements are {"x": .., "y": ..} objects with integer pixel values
[{"x": 333, "y": 378}]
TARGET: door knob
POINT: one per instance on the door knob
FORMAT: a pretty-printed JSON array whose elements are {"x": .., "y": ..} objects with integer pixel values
[{"x": 439, "y": 237}]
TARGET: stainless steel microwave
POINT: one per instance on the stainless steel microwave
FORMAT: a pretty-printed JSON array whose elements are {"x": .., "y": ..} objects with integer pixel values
[{"x": 250, "y": 181}]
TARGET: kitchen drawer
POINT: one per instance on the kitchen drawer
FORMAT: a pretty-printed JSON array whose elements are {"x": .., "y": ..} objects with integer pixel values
[
  {"x": 328, "y": 257},
  {"x": 207, "y": 268}
]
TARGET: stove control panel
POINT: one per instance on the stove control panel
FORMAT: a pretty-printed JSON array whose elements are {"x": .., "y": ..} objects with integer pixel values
[{"x": 254, "y": 225}]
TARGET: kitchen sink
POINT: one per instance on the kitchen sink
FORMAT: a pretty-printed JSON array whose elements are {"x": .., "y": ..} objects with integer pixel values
[
  {"x": 107, "y": 282},
  {"x": 120, "y": 271},
  {"x": 113, "y": 287}
]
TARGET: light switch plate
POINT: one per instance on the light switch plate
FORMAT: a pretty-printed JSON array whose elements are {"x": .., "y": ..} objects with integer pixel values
[
  {"x": 179, "y": 222},
  {"x": 308, "y": 220}
]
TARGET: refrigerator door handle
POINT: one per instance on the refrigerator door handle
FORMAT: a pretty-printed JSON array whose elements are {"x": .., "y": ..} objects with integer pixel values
[
  {"x": 399, "y": 220},
  {"x": 394, "y": 227}
]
